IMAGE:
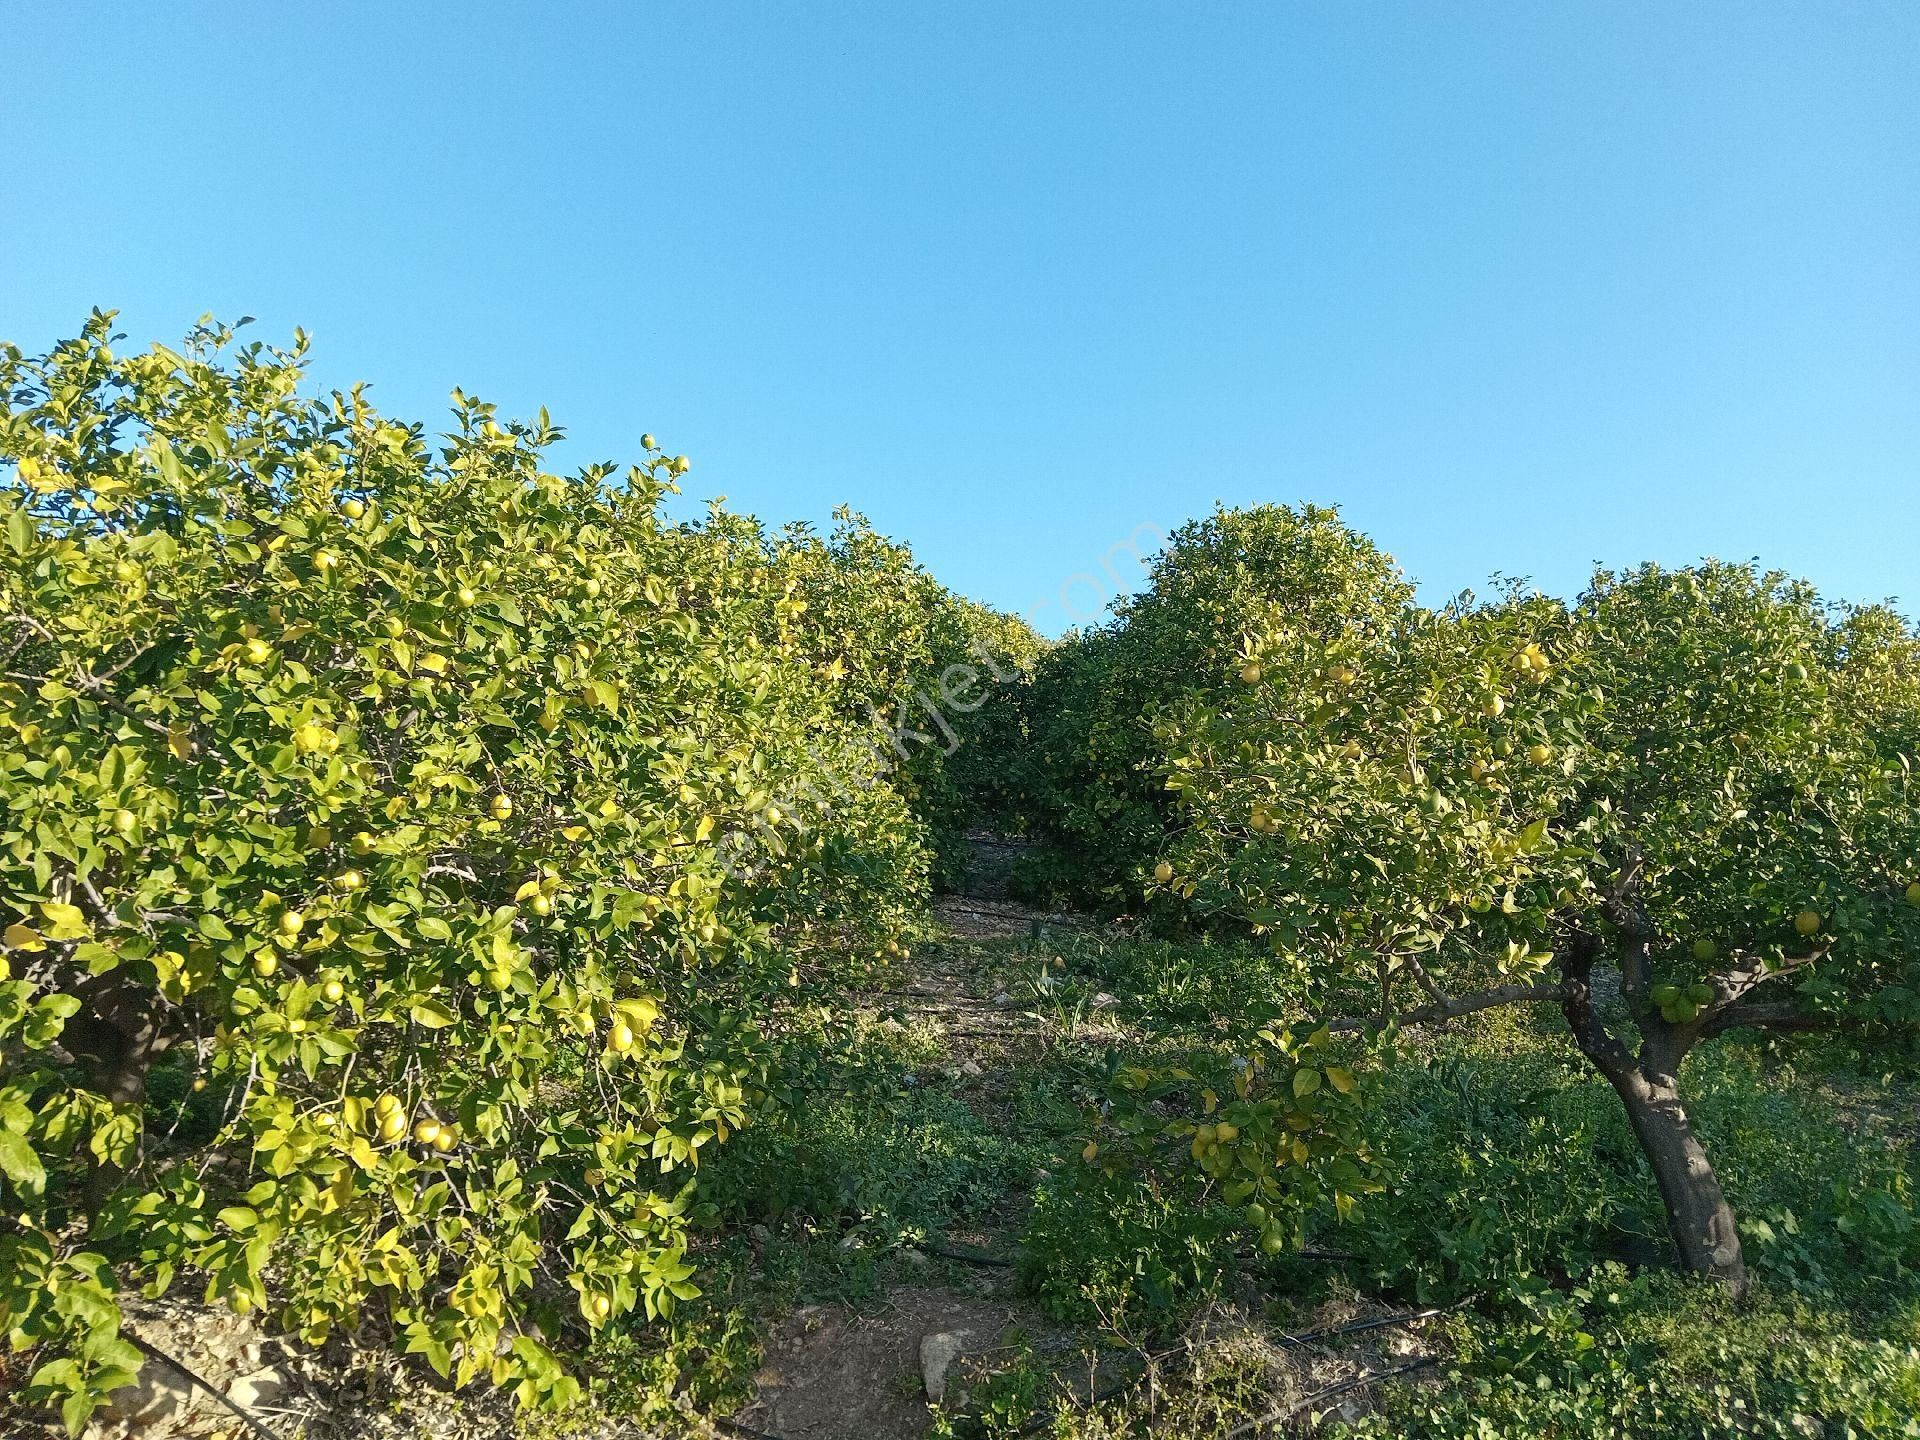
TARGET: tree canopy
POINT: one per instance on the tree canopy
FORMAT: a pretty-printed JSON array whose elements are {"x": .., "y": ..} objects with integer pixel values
[
  {"x": 1699, "y": 782},
  {"x": 485, "y": 847}
]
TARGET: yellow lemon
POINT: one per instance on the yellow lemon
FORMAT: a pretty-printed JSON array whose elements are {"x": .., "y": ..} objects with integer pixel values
[{"x": 310, "y": 737}]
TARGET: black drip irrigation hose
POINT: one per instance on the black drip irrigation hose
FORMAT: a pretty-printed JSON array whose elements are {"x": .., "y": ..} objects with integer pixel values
[
  {"x": 156, "y": 1353},
  {"x": 966, "y": 1257},
  {"x": 980, "y": 1257},
  {"x": 1296, "y": 1341},
  {"x": 1330, "y": 1256}
]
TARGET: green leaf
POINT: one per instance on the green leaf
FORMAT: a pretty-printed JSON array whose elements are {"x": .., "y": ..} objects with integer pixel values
[
  {"x": 21, "y": 1165},
  {"x": 432, "y": 1014},
  {"x": 64, "y": 921}
]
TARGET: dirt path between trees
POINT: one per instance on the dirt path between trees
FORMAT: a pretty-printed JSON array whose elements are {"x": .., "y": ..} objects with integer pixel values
[{"x": 834, "y": 1372}]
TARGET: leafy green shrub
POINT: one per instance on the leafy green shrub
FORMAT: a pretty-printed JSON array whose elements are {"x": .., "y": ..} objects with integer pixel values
[
  {"x": 1123, "y": 1250},
  {"x": 1502, "y": 1165},
  {"x": 1660, "y": 1358},
  {"x": 701, "y": 1359},
  {"x": 1506, "y": 1161},
  {"x": 1094, "y": 777},
  {"x": 928, "y": 673},
  {"x": 1693, "y": 790},
  {"x": 396, "y": 795}
]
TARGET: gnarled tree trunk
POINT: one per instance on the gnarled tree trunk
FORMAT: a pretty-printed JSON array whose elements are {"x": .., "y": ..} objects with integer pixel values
[{"x": 1698, "y": 1216}]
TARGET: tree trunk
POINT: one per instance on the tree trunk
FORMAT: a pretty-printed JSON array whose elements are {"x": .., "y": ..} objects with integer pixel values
[
  {"x": 1698, "y": 1216},
  {"x": 115, "y": 1038}
]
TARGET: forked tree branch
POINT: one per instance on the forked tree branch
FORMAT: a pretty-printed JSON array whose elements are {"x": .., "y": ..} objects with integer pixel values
[
  {"x": 1751, "y": 972},
  {"x": 1590, "y": 1032}
]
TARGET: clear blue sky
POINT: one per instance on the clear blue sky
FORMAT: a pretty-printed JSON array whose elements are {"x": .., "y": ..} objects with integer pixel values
[{"x": 1520, "y": 286}]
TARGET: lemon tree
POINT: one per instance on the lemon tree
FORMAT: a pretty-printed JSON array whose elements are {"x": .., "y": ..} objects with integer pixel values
[
  {"x": 928, "y": 673},
  {"x": 1679, "y": 807},
  {"x": 382, "y": 786},
  {"x": 1286, "y": 606},
  {"x": 1091, "y": 773}
]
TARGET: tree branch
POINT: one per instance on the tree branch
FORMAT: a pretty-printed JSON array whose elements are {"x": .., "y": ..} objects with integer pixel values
[
  {"x": 1736, "y": 980},
  {"x": 1621, "y": 905},
  {"x": 1424, "y": 980},
  {"x": 1516, "y": 994},
  {"x": 1773, "y": 1015},
  {"x": 1596, "y": 1042}
]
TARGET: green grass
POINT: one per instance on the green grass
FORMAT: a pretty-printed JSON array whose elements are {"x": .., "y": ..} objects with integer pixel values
[
  {"x": 1514, "y": 1188},
  {"x": 1661, "y": 1355},
  {"x": 1514, "y": 1184}
]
